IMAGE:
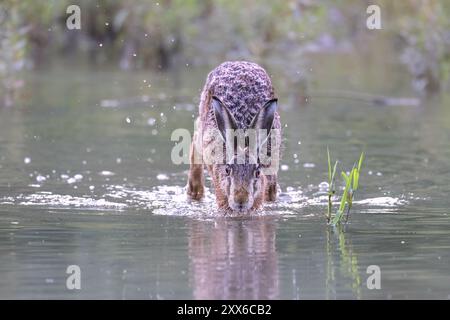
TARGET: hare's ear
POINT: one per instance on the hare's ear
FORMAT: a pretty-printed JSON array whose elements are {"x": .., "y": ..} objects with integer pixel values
[
  {"x": 265, "y": 116},
  {"x": 224, "y": 119}
]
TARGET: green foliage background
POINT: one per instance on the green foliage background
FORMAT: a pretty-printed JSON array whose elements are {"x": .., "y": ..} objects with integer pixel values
[{"x": 166, "y": 34}]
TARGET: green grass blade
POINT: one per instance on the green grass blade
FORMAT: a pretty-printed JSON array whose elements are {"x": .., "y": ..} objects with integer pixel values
[
  {"x": 357, "y": 172},
  {"x": 343, "y": 201},
  {"x": 333, "y": 174},
  {"x": 355, "y": 179},
  {"x": 345, "y": 177},
  {"x": 329, "y": 167},
  {"x": 345, "y": 195},
  {"x": 361, "y": 159},
  {"x": 348, "y": 179}
]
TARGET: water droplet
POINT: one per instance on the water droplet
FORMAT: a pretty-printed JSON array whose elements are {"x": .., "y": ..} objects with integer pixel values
[
  {"x": 91, "y": 188},
  {"x": 106, "y": 173},
  {"x": 128, "y": 120},
  {"x": 118, "y": 160},
  {"x": 162, "y": 176},
  {"x": 323, "y": 186},
  {"x": 27, "y": 160},
  {"x": 78, "y": 177},
  {"x": 40, "y": 178},
  {"x": 308, "y": 165},
  {"x": 151, "y": 121},
  {"x": 284, "y": 167}
]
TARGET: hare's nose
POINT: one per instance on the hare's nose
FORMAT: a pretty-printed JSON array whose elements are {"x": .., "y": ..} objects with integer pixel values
[{"x": 241, "y": 199}]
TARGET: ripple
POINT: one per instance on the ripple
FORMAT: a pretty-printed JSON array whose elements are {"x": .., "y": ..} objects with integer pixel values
[
  {"x": 173, "y": 201},
  {"x": 382, "y": 202}
]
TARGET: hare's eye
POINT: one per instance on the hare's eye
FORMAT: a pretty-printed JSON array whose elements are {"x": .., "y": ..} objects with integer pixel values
[
  {"x": 227, "y": 170},
  {"x": 257, "y": 173}
]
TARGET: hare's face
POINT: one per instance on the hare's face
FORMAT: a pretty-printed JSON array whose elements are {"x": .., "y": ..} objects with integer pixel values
[{"x": 242, "y": 183}]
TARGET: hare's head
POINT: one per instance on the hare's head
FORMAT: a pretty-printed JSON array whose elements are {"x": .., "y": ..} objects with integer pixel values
[
  {"x": 241, "y": 179},
  {"x": 243, "y": 184}
]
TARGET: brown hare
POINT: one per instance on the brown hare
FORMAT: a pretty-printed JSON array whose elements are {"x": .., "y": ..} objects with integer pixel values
[{"x": 237, "y": 97}]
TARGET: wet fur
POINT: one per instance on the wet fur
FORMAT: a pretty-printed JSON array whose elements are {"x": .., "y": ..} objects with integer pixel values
[{"x": 244, "y": 88}]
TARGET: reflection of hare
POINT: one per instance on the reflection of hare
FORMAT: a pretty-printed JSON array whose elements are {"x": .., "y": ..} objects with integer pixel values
[
  {"x": 237, "y": 95},
  {"x": 234, "y": 259}
]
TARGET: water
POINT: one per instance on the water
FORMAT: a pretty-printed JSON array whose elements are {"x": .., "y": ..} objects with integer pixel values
[{"x": 86, "y": 179}]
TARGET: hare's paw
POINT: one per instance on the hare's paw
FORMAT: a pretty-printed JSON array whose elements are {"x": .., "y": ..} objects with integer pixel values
[
  {"x": 195, "y": 190},
  {"x": 271, "y": 192}
]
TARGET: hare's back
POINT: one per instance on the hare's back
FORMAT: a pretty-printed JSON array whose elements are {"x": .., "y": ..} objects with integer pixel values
[{"x": 244, "y": 87}]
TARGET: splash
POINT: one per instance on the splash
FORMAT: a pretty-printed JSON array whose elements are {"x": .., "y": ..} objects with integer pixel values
[
  {"x": 172, "y": 201},
  {"x": 47, "y": 199},
  {"x": 164, "y": 200}
]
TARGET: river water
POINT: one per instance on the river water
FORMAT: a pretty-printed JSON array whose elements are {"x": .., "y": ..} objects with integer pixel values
[{"x": 86, "y": 179}]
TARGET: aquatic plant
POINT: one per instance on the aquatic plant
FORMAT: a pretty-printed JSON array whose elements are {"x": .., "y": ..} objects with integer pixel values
[
  {"x": 331, "y": 185},
  {"x": 351, "y": 181}
]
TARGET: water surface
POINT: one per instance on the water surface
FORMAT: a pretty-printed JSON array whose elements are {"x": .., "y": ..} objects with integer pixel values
[{"x": 86, "y": 179}]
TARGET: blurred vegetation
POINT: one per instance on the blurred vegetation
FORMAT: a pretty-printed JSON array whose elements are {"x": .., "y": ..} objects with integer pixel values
[
  {"x": 136, "y": 34},
  {"x": 424, "y": 31}
]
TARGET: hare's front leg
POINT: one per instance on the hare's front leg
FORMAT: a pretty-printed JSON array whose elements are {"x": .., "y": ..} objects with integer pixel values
[
  {"x": 195, "y": 187},
  {"x": 271, "y": 188}
]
